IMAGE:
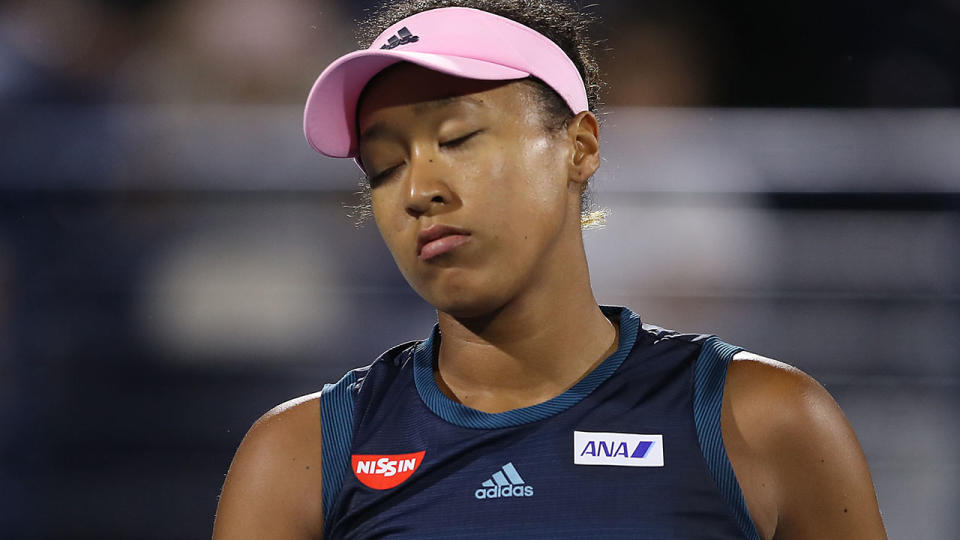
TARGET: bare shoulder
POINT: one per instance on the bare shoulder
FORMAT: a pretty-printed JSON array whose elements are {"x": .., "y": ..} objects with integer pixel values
[
  {"x": 773, "y": 397},
  {"x": 798, "y": 461},
  {"x": 273, "y": 488}
]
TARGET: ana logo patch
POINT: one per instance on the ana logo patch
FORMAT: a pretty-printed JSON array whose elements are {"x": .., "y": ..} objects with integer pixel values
[
  {"x": 619, "y": 449},
  {"x": 385, "y": 471}
]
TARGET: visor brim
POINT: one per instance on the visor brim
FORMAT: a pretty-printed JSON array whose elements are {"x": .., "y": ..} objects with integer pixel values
[{"x": 329, "y": 120}]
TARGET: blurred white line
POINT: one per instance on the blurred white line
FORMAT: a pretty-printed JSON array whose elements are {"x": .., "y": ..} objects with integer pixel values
[{"x": 664, "y": 150}]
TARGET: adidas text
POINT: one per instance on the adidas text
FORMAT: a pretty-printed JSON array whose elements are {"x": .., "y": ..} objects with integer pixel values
[
  {"x": 504, "y": 491},
  {"x": 504, "y": 483}
]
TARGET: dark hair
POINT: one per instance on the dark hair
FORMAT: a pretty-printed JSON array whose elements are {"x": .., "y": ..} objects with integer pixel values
[{"x": 563, "y": 24}]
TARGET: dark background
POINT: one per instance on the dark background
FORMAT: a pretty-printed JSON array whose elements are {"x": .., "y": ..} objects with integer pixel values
[{"x": 174, "y": 261}]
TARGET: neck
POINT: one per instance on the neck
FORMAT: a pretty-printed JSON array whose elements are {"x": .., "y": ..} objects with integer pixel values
[{"x": 527, "y": 351}]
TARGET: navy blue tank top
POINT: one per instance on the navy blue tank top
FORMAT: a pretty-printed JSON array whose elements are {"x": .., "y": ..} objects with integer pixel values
[{"x": 633, "y": 450}]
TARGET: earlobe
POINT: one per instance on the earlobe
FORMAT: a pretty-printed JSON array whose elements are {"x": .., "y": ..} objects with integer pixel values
[{"x": 585, "y": 134}]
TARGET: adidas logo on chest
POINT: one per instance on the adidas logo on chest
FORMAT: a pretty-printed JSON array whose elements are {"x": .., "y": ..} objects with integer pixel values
[{"x": 504, "y": 483}]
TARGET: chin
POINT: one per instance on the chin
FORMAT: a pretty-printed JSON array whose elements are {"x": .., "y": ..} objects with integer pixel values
[
  {"x": 467, "y": 292},
  {"x": 465, "y": 302},
  {"x": 468, "y": 310}
]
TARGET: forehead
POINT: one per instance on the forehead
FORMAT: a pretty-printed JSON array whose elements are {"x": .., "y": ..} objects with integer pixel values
[{"x": 420, "y": 91}]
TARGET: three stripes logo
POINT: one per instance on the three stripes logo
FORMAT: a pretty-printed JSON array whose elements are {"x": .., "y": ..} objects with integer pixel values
[
  {"x": 403, "y": 37},
  {"x": 506, "y": 482}
]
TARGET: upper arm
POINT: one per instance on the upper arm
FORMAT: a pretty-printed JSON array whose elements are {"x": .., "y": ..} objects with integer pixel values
[
  {"x": 801, "y": 460},
  {"x": 273, "y": 488}
]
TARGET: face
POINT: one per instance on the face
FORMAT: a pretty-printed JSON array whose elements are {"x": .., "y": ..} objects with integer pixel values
[{"x": 470, "y": 191}]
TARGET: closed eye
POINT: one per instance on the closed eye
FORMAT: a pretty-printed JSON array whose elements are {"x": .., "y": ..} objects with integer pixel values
[
  {"x": 454, "y": 143},
  {"x": 382, "y": 176}
]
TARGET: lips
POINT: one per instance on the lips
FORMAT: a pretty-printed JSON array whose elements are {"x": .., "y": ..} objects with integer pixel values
[{"x": 436, "y": 240}]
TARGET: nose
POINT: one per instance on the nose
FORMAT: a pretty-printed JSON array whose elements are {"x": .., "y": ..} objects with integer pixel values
[{"x": 428, "y": 191}]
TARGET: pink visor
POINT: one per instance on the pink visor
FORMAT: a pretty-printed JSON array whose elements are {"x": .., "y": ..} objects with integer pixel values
[{"x": 463, "y": 42}]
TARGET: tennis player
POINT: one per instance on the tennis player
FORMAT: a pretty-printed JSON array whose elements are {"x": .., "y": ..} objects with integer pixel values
[{"x": 529, "y": 411}]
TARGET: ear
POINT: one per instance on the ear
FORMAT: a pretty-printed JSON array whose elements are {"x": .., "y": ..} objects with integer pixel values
[{"x": 584, "y": 132}]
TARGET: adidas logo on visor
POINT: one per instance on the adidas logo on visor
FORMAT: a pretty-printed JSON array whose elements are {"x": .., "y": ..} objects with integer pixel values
[
  {"x": 404, "y": 36},
  {"x": 506, "y": 482}
]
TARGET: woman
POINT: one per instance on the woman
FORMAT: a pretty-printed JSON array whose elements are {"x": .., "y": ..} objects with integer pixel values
[{"x": 530, "y": 409}]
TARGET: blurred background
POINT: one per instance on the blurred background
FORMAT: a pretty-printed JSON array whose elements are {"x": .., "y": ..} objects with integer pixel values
[{"x": 174, "y": 260}]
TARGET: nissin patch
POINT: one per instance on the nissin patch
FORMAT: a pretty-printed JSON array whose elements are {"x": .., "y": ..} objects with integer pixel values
[
  {"x": 385, "y": 471},
  {"x": 619, "y": 449}
]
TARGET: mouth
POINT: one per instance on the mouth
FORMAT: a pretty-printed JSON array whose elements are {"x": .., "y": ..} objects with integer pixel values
[{"x": 436, "y": 240}]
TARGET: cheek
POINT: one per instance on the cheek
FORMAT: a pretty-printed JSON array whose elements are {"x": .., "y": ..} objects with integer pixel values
[
  {"x": 388, "y": 221},
  {"x": 525, "y": 203},
  {"x": 535, "y": 183},
  {"x": 545, "y": 159}
]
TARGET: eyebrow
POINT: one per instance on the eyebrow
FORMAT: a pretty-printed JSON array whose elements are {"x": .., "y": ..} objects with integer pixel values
[
  {"x": 380, "y": 129},
  {"x": 442, "y": 102}
]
